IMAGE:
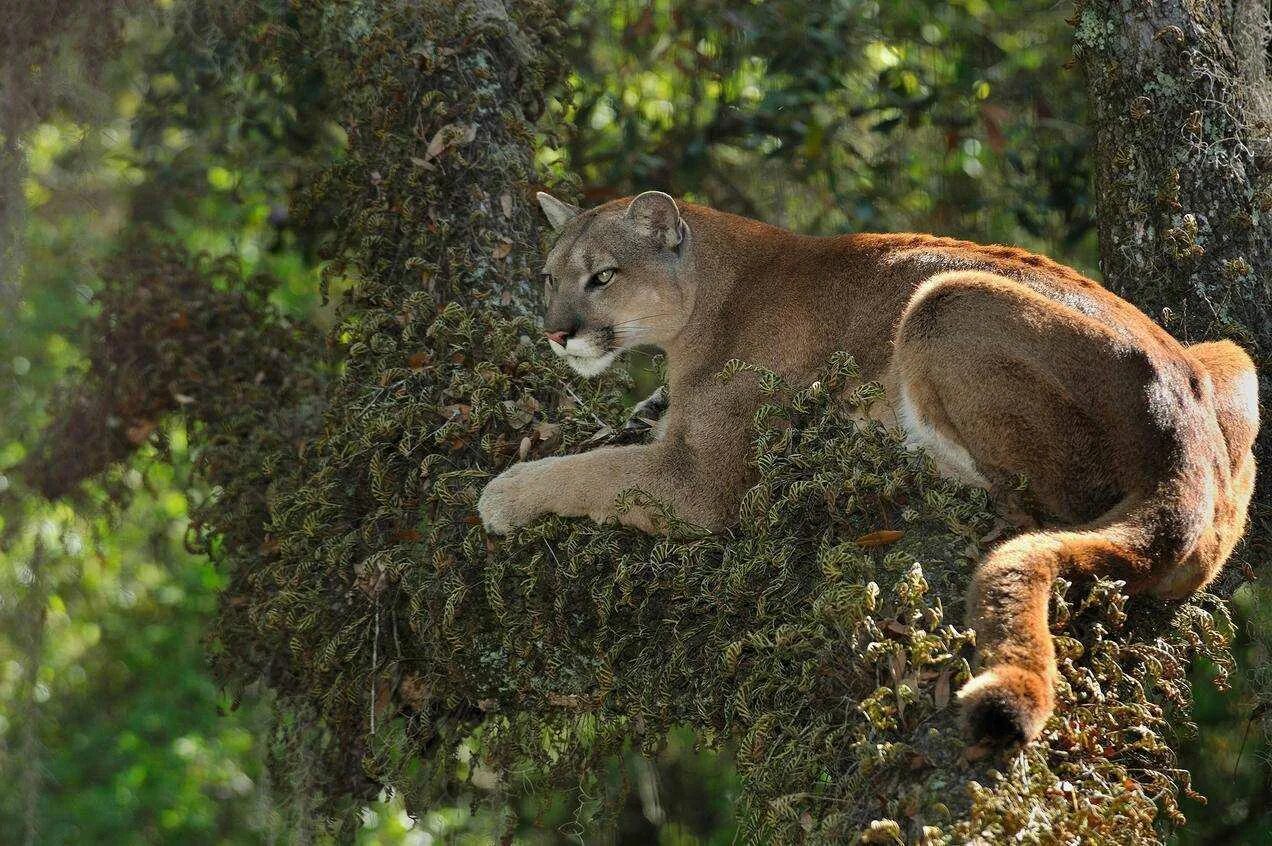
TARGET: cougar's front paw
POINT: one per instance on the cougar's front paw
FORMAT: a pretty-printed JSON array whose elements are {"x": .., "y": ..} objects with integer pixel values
[
  {"x": 648, "y": 411},
  {"x": 1005, "y": 705},
  {"x": 509, "y": 500}
]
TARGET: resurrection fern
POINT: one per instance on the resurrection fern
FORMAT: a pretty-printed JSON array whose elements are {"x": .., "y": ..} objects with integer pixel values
[{"x": 180, "y": 333}]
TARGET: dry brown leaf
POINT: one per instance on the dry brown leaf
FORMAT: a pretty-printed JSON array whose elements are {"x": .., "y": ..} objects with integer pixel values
[
  {"x": 941, "y": 695},
  {"x": 972, "y": 754},
  {"x": 450, "y": 135},
  {"x": 601, "y": 434},
  {"x": 383, "y": 698},
  {"x": 897, "y": 665},
  {"x": 415, "y": 692},
  {"x": 438, "y": 143},
  {"x": 882, "y": 537}
]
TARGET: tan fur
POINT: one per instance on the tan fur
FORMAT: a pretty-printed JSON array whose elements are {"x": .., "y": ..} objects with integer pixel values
[{"x": 1137, "y": 449}]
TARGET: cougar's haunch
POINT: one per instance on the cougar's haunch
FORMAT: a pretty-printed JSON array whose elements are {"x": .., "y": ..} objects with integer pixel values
[{"x": 997, "y": 361}]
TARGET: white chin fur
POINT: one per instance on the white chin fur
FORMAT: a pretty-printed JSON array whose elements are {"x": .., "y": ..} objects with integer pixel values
[
  {"x": 583, "y": 356},
  {"x": 591, "y": 366}
]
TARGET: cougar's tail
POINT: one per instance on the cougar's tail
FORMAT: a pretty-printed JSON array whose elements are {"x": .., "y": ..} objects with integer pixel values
[{"x": 1013, "y": 694}]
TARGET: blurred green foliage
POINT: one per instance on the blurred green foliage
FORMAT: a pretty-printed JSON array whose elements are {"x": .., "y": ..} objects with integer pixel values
[{"x": 957, "y": 118}]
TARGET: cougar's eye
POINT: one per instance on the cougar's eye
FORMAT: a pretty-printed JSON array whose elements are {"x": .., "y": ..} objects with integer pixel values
[{"x": 600, "y": 278}]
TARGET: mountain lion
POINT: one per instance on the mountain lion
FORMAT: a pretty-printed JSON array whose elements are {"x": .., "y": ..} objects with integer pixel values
[{"x": 999, "y": 362}]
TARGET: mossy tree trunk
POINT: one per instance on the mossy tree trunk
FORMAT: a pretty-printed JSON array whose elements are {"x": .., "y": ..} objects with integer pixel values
[{"x": 1179, "y": 97}]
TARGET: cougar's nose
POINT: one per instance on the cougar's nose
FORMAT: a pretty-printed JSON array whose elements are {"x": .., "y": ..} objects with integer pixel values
[{"x": 558, "y": 337}]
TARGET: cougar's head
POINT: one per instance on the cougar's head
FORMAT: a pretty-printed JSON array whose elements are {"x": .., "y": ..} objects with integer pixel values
[{"x": 617, "y": 277}]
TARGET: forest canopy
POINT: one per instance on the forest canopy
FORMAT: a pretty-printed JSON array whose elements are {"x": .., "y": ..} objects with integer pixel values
[{"x": 273, "y": 267}]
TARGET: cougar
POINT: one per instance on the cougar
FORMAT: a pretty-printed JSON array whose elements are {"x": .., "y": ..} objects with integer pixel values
[{"x": 998, "y": 362}]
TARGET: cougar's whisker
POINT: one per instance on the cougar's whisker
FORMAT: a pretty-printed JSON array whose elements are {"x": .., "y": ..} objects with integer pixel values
[{"x": 635, "y": 319}]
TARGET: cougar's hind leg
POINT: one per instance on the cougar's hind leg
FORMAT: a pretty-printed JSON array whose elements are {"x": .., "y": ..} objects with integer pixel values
[
  {"x": 983, "y": 364},
  {"x": 1235, "y": 391}
]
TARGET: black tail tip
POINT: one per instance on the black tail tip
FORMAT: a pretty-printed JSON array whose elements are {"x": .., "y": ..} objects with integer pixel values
[
  {"x": 996, "y": 723},
  {"x": 1006, "y": 706}
]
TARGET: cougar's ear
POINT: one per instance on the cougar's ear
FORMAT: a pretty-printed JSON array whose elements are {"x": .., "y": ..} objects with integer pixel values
[
  {"x": 657, "y": 213},
  {"x": 557, "y": 212}
]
